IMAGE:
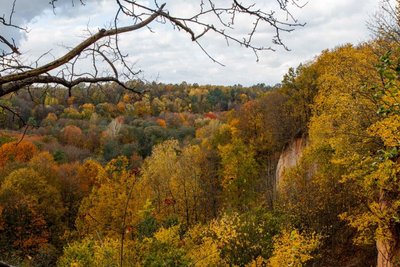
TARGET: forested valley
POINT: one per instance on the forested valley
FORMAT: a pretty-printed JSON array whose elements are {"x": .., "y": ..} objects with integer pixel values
[
  {"x": 96, "y": 170},
  {"x": 188, "y": 175}
]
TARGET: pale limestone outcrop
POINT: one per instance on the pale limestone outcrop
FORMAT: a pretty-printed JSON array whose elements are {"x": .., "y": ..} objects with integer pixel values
[{"x": 290, "y": 156}]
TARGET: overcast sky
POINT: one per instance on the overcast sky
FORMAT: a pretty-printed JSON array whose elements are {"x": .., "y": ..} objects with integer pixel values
[{"x": 169, "y": 56}]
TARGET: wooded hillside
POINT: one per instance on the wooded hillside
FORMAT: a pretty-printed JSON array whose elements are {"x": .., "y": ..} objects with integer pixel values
[
  {"x": 186, "y": 174},
  {"x": 302, "y": 173}
]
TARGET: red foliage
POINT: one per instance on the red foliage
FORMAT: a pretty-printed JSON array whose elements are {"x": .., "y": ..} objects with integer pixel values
[
  {"x": 169, "y": 201},
  {"x": 210, "y": 115}
]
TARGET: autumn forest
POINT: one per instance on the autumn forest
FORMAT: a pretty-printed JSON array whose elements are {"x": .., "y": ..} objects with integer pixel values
[{"x": 302, "y": 173}]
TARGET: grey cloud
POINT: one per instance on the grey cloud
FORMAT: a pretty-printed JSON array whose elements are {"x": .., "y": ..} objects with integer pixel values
[
  {"x": 170, "y": 56},
  {"x": 25, "y": 11}
]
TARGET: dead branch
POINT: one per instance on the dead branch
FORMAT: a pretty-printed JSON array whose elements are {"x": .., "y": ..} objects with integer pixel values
[{"x": 103, "y": 46}]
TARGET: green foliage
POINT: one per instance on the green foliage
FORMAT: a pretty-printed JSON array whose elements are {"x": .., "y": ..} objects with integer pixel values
[
  {"x": 6, "y": 139},
  {"x": 148, "y": 225},
  {"x": 244, "y": 238},
  {"x": 90, "y": 252},
  {"x": 78, "y": 254},
  {"x": 164, "y": 249},
  {"x": 161, "y": 254},
  {"x": 59, "y": 156},
  {"x": 111, "y": 150},
  {"x": 301, "y": 87},
  {"x": 239, "y": 175}
]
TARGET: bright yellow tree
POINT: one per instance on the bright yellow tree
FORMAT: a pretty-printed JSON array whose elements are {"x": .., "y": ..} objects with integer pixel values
[{"x": 292, "y": 248}]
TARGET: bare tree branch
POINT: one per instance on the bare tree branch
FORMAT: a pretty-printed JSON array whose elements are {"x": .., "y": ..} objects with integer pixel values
[
  {"x": 110, "y": 64},
  {"x": 76, "y": 51}
]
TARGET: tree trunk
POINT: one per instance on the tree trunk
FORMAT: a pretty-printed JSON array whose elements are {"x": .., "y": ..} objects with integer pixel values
[
  {"x": 388, "y": 254},
  {"x": 388, "y": 244}
]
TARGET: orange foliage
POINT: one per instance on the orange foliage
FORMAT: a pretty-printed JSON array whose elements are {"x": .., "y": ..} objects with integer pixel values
[
  {"x": 25, "y": 228},
  {"x": 88, "y": 174},
  {"x": 121, "y": 107},
  {"x": 29, "y": 237},
  {"x": 72, "y": 135},
  {"x": 127, "y": 98},
  {"x": 162, "y": 123},
  {"x": 71, "y": 100},
  {"x": 13, "y": 151},
  {"x": 88, "y": 106},
  {"x": 184, "y": 118}
]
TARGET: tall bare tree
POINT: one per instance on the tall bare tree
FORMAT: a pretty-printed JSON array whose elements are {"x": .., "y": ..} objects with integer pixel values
[{"x": 385, "y": 24}]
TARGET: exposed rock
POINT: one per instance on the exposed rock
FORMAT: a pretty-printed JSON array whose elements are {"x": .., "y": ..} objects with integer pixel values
[
  {"x": 290, "y": 156},
  {"x": 388, "y": 250},
  {"x": 388, "y": 254}
]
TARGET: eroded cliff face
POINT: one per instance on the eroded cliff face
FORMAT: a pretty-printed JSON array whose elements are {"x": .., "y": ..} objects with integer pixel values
[
  {"x": 290, "y": 156},
  {"x": 384, "y": 258},
  {"x": 389, "y": 251}
]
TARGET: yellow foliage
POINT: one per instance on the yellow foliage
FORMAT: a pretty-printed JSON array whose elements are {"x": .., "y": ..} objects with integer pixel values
[
  {"x": 362, "y": 222},
  {"x": 225, "y": 228},
  {"x": 206, "y": 254},
  {"x": 201, "y": 248},
  {"x": 142, "y": 107},
  {"x": 293, "y": 248},
  {"x": 111, "y": 202},
  {"x": 90, "y": 173},
  {"x": 71, "y": 111},
  {"x": 104, "y": 253},
  {"x": 342, "y": 108},
  {"x": 117, "y": 165},
  {"x": 51, "y": 117},
  {"x": 388, "y": 129},
  {"x": 239, "y": 174},
  {"x": 50, "y": 101},
  {"x": 260, "y": 261},
  {"x": 88, "y": 109},
  {"x": 127, "y": 98},
  {"x": 168, "y": 235}
]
